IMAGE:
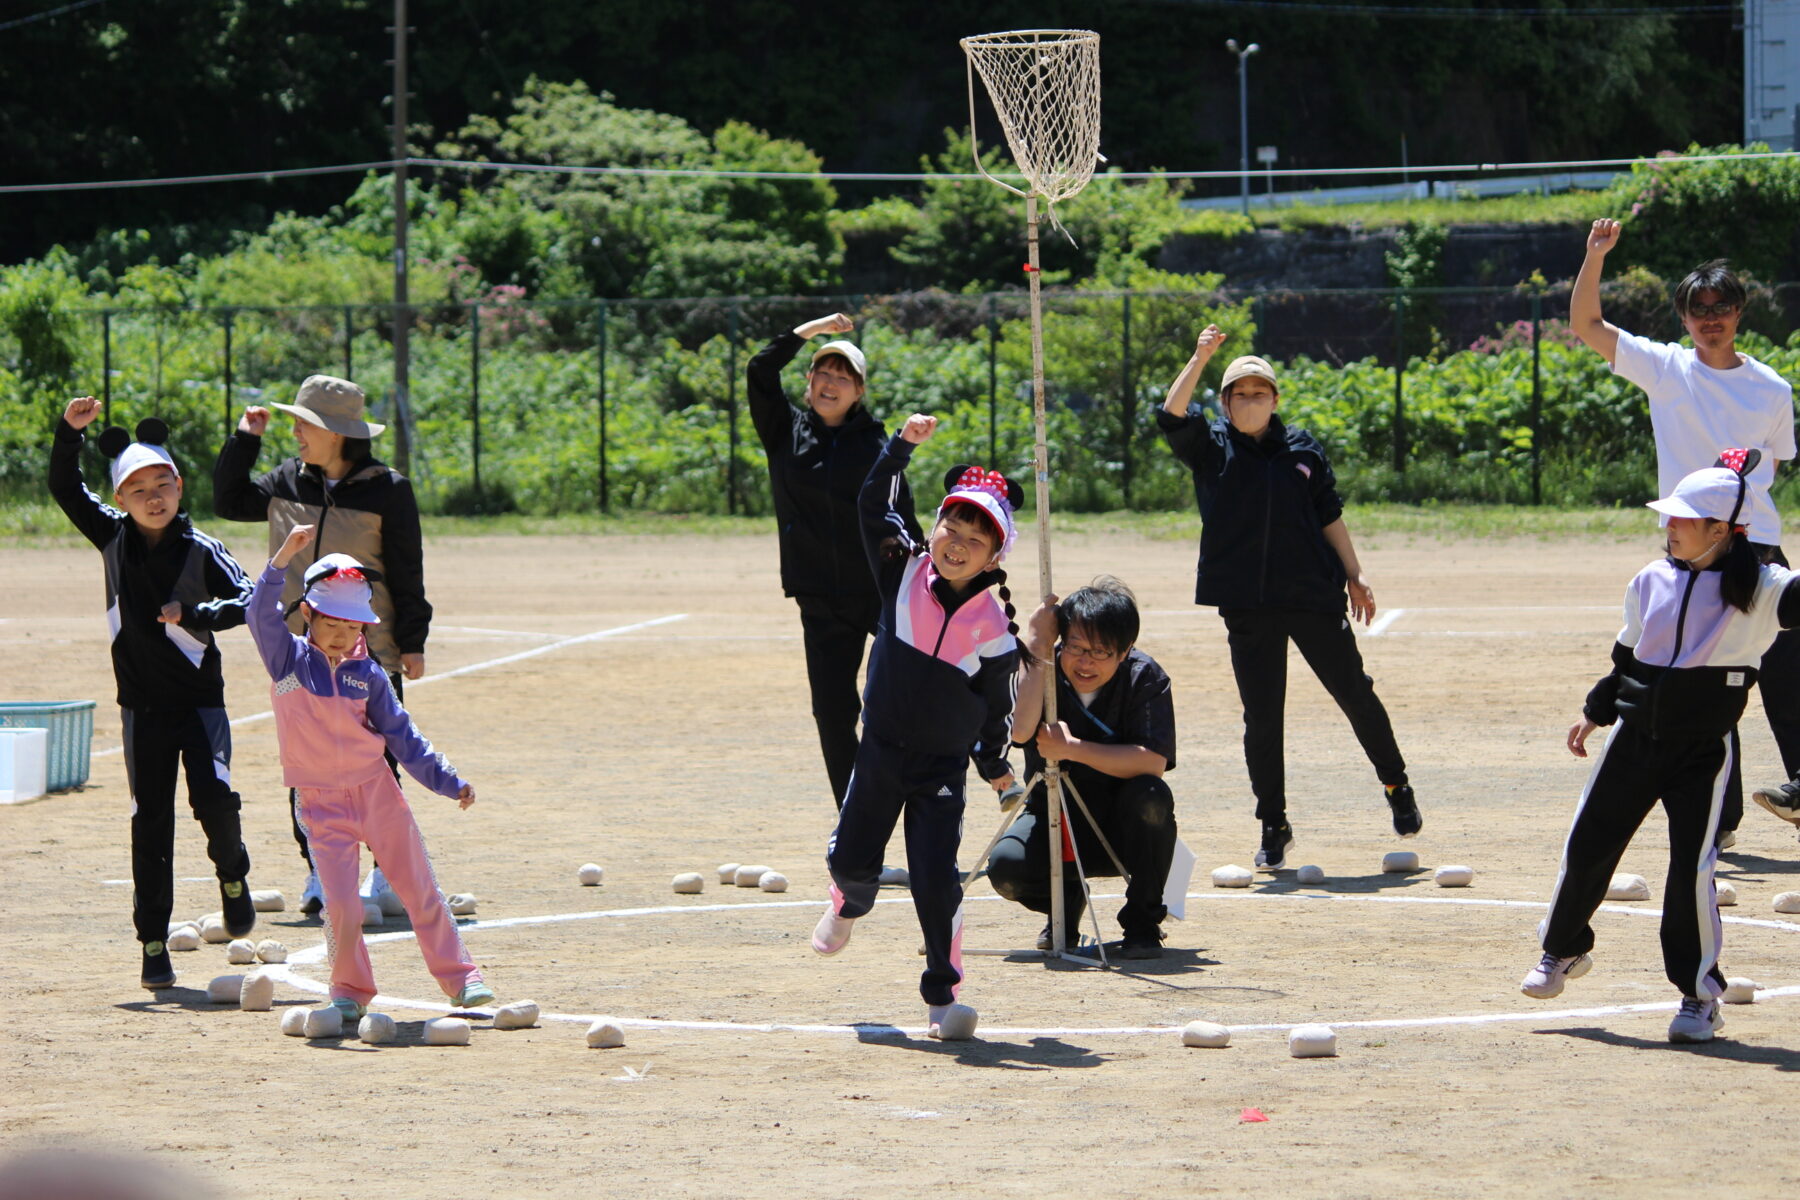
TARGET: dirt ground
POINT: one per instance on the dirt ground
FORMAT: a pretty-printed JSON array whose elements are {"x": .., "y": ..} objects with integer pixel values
[{"x": 681, "y": 745}]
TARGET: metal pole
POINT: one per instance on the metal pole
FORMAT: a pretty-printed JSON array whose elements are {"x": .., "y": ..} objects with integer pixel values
[
  {"x": 1127, "y": 402},
  {"x": 600, "y": 321},
  {"x": 402, "y": 311},
  {"x": 106, "y": 367},
  {"x": 1244, "y": 131},
  {"x": 1537, "y": 401},
  {"x": 993, "y": 324},
  {"x": 1041, "y": 461},
  {"x": 228, "y": 372},
  {"x": 475, "y": 395},
  {"x": 731, "y": 464},
  {"x": 1399, "y": 383},
  {"x": 349, "y": 336}
]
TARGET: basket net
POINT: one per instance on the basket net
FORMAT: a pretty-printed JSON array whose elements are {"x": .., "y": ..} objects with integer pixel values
[{"x": 1045, "y": 85}]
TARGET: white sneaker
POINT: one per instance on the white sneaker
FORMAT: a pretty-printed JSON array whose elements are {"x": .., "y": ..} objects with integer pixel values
[
  {"x": 1697, "y": 1021},
  {"x": 312, "y": 896},
  {"x": 832, "y": 933},
  {"x": 377, "y": 891},
  {"x": 951, "y": 1022},
  {"x": 894, "y": 877},
  {"x": 1545, "y": 981}
]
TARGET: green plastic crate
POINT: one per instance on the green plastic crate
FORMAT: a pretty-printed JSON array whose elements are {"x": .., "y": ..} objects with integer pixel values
[{"x": 71, "y": 726}]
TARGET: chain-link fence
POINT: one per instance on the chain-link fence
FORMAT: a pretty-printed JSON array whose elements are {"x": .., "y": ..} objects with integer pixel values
[{"x": 1478, "y": 394}]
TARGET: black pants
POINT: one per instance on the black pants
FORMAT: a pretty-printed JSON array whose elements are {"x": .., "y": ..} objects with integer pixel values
[
  {"x": 394, "y": 678},
  {"x": 1137, "y": 816},
  {"x": 1258, "y": 639},
  {"x": 1633, "y": 772},
  {"x": 1779, "y": 679},
  {"x": 928, "y": 790},
  {"x": 158, "y": 746},
  {"x": 836, "y": 632}
]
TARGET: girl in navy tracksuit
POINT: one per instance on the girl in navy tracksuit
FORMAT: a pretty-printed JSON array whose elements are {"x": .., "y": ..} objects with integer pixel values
[
  {"x": 940, "y": 692},
  {"x": 1696, "y": 626}
]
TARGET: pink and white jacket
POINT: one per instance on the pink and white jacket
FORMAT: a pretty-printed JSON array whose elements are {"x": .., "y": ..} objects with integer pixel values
[{"x": 334, "y": 724}]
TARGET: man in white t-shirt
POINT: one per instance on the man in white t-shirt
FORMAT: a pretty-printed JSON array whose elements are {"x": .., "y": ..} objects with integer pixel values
[{"x": 1703, "y": 400}]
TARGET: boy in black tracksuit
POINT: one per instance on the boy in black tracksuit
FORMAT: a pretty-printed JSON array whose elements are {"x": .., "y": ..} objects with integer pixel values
[
  {"x": 169, "y": 588},
  {"x": 1276, "y": 559},
  {"x": 818, "y": 458}
]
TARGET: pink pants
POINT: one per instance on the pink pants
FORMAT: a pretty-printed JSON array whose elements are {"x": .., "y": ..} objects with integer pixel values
[{"x": 376, "y": 813}]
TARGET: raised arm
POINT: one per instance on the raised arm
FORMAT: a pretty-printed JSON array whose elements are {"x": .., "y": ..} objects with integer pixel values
[
  {"x": 1182, "y": 390},
  {"x": 236, "y": 496},
  {"x": 770, "y": 410},
  {"x": 278, "y": 646},
  {"x": 1601, "y": 336},
  {"x": 96, "y": 521},
  {"x": 878, "y": 502}
]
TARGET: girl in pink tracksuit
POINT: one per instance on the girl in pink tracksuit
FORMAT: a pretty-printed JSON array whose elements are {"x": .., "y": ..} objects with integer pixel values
[{"x": 335, "y": 712}]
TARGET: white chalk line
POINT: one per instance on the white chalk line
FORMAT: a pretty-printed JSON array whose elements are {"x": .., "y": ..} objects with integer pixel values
[
  {"x": 503, "y": 660},
  {"x": 1383, "y": 621},
  {"x": 314, "y": 955}
]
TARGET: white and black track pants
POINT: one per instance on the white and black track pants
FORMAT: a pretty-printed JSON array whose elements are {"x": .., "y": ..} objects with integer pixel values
[{"x": 1634, "y": 771}]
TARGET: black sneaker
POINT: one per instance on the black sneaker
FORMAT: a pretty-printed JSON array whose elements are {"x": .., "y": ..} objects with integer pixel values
[
  {"x": 1277, "y": 840},
  {"x": 1783, "y": 800},
  {"x": 1141, "y": 943},
  {"x": 1071, "y": 922},
  {"x": 1407, "y": 820},
  {"x": 238, "y": 911},
  {"x": 159, "y": 972}
]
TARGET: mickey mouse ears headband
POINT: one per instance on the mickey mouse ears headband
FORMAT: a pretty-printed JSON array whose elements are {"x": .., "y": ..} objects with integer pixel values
[
  {"x": 129, "y": 457},
  {"x": 991, "y": 492}
]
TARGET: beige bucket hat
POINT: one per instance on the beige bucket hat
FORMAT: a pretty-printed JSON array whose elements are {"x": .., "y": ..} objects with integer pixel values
[{"x": 334, "y": 405}]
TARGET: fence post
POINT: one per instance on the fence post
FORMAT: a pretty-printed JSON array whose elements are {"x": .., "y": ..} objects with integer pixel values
[
  {"x": 106, "y": 367},
  {"x": 349, "y": 337},
  {"x": 1537, "y": 400},
  {"x": 993, "y": 324},
  {"x": 731, "y": 462},
  {"x": 1127, "y": 401},
  {"x": 475, "y": 395},
  {"x": 1399, "y": 383},
  {"x": 228, "y": 372},
  {"x": 600, "y": 340}
]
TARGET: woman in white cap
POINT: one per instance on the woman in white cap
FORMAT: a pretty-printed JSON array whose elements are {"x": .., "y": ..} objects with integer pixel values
[
  {"x": 1696, "y": 626},
  {"x": 358, "y": 505},
  {"x": 818, "y": 457}
]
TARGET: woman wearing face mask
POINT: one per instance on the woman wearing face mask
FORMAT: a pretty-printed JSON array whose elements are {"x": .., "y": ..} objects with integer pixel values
[
  {"x": 358, "y": 506},
  {"x": 819, "y": 454}
]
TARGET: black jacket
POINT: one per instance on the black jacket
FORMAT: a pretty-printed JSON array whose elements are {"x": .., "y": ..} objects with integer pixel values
[
  {"x": 1264, "y": 505},
  {"x": 370, "y": 515},
  {"x": 815, "y": 473},
  {"x": 159, "y": 668},
  {"x": 1135, "y": 708}
]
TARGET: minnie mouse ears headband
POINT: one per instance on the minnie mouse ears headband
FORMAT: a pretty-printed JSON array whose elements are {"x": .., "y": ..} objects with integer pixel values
[
  {"x": 1716, "y": 493},
  {"x": 990, "y": 491},
  {"x": 129, "y": 457}
]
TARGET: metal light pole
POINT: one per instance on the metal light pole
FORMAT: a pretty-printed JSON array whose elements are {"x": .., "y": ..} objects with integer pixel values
[{"x": 1243, "y": 118}]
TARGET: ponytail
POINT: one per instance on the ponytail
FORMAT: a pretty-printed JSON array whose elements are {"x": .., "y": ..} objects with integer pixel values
[
  {"x": 1012, "y": 622},
  {"x": 1740, "y": 570}
]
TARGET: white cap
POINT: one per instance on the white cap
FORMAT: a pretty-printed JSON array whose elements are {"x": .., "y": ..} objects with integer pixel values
[
  {"x": 337, "y": 587},
  {"x": 1714, "y": 494},
  {"x": 851, "y": 351},
  {"x": 136, "y": 457}
]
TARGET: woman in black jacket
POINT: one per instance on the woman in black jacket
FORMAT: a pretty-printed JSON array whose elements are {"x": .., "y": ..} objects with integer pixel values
[{"x": 819, "y": 456}]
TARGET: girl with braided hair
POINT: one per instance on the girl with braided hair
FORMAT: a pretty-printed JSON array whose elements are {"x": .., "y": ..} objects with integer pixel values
[{"x": 940, "y": 691}]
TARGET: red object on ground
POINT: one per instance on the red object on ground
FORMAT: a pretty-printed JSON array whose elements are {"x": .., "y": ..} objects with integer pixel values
[{"x": 1251, "y": 1114}]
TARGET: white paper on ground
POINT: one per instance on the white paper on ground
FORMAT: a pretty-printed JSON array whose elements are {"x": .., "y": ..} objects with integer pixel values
[{"x": 1181, "y": 873}]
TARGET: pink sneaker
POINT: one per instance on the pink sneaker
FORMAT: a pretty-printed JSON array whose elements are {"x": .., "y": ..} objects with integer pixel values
[{"x": 832, "y": 933}]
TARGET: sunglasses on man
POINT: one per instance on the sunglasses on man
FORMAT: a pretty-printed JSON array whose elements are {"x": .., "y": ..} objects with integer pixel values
[{"x": 1721, "y": 309}]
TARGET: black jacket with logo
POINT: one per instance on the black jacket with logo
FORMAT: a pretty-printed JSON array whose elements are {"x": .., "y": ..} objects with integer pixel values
[
  {"x": 1264, "y": 505},
  {"x": 815, "y": 474}
]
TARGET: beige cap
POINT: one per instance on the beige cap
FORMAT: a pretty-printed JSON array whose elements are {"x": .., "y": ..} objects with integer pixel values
[
  {"x": 1248, "y": 365},
  {"x": 851, "y": 351},
  {"x": 333, "y": 404}
]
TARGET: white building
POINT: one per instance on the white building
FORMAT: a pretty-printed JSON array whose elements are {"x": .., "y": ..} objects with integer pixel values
[{"x": 1772, "y": 72}]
